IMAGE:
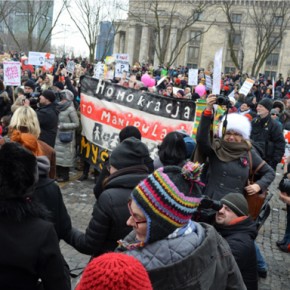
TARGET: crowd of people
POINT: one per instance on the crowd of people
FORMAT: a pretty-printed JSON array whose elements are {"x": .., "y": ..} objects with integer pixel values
[{"x": 143, "y": 233}]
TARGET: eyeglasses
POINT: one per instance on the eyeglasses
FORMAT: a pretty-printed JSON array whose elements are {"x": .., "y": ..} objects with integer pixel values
[
  {"x": 137, "y": 221},
  {"x": 274, "y": 114}
]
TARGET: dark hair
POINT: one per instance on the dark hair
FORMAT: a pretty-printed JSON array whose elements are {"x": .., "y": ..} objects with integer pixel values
[
  {"x": 129, "y": 131},
  {"x": 17, "y": 171},
  {"x": 172, "y": 150},
  {"x": 1, "y": 86}
]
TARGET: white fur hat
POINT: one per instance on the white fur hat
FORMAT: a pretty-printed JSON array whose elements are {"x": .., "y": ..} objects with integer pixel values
[{"x": 237, "y": 123}]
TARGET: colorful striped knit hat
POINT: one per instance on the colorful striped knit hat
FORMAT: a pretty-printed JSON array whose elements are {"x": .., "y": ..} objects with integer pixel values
[{"x": 164, "y": 197}]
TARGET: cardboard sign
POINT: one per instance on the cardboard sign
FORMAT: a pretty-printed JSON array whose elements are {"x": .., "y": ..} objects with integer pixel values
[
  {"x": 70, "y": 67},
  {"x": 208, "y": 82},
  {"x": 217, "y": 72},
  {"x": 12, "y": 74},
  {"x": 99, "y": 70},
  {"x": 122, "y": 64},
  {"x": 41, "y": 59},
  {"x": 246, "y": 87},
  {"x": 193, "y": 77}
]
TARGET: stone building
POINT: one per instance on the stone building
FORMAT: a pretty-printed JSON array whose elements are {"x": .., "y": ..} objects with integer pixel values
[{"x": 160, "y": 27}]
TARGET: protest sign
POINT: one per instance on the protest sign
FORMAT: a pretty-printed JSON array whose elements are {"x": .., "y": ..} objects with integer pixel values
[
  {"x": 70, "y": 67},
  {"x": 208, "y": 81},
  {"x": 99, "y": 70},
  {"x": 246, "y": 87},
  {"x": 12, "y": 74},
  {"x": 106, "y": 108},
  {"x": 273, "y": 88},
  {"x": 192, "y": 77},
  {"x": 122, "y": 64},
  {"x": 217, "y": 72},
  {"x": 44, "y": 59}
]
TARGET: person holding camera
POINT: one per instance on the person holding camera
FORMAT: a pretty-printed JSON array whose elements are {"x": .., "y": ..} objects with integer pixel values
[
  {"x": 284, "y": 187},
  {"x": 229, "y": 155}
]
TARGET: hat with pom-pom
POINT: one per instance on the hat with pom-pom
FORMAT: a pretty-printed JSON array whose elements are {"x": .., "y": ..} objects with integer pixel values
[
  {"x": 114, "y": 271},
  {"x": 168, "y": 198}
]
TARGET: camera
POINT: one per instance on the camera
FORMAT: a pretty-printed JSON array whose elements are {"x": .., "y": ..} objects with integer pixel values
[
  {"x": 61, "y": 65},
  {"x": 223, "y": 101},
  {"x": 284, "y": 186}
]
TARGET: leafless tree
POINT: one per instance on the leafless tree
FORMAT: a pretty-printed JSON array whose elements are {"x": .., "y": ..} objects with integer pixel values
[
  {"x": 164, "y": 21},
  {"x": 270, "y": 22},
  {"x": 33, "y": 21}
]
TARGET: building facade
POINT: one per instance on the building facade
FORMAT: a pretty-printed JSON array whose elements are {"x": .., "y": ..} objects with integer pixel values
[{"x": 155, "y": 28}]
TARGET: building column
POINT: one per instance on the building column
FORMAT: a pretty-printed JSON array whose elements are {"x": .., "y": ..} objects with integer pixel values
[
  {"x": 117, "y": 43},
  {"x": 172, "y": 43},
  {"x": 144, "y": 44},
  {"x": 156, "y": 60},
  {"x": 131, "y": 42}
]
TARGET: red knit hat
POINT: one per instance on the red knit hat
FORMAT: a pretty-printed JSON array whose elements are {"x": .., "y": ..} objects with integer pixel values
[{"x": 115, "y": 271}]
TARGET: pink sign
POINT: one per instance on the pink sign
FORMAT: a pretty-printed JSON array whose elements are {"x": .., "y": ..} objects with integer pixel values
[{"x": 12, "y": 74}]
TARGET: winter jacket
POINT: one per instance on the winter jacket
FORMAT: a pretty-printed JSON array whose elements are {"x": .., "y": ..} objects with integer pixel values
[
  {"x": 241, "y": 237},
  {"x": 232, "y": 176},
  {"x": 201, "y": 260},
  {"x": 29, "y": 249},
  {"x": 68, "y": 121},
  {"x": 48, "y": 120},
  {"x": 5, "y": 104},
  {"x": 267, "y": 134},
  {"x": 110, "y": 213}
]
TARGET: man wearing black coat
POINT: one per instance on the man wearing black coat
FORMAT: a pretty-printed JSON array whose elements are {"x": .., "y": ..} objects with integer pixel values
[
  {"x": 110, "y": 213},
  {"x": 267, "y": 135},
  {"x": 48, "y": 117},
  {"x": 240, "y": 231}
]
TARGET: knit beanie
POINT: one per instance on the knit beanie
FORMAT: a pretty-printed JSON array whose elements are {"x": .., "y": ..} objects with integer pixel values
[
  {"x": 267, "y": 103},
  {"x": 49, "y": 95},
  {"x": 237, "y": 203},
  {"x": 164, "y": 197},
  {"x": 114, "y": 271},
  {"x": 129, "y": 153},
  {"x": 30, "y": 84},
  {"x": 67, "y": 95},
  {"x": 129, "y": 131},
  {"x": 237, "y": 123}
]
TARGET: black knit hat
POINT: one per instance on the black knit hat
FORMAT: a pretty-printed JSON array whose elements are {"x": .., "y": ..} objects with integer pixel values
[
  {"x": 267, "y": 103},
  {"x": 49, "y": 95},
  {"x": 237, "y": 203},
  {"x": 129, "y": 131},
  {"x": 129, "y": 153},
  {"x": 30, "y": 84}
]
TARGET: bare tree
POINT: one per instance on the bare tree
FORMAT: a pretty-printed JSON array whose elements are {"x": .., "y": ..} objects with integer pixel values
[
  {"x": 270, "y": 20},
  {"x": 163, "y": 19},
  {"x": 33, "y": 19}
]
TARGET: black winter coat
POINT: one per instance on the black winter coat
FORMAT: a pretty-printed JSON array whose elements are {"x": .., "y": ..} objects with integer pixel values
[
  {"x": 48, "y": 121},
  {"x": 268, "y": 135},
  {"x": 110, "y": 213},
  {"x": 29, "y": 249},
  {"x": 241, "y": 237},
  {"x": 232, "y": 176}
]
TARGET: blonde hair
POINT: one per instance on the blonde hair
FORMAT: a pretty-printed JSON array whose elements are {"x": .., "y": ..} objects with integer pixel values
[{"x": 25, "y": 118}]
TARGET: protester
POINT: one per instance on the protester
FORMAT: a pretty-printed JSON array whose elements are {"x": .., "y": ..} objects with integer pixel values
[
  {"x": 110, "y": 212},
  {"x": 267, "y": 134},
  {"x": 68, "y": 122},
  {"x": 29, "y": 247},
  {"x": 239, "y": 230},
  {"x": 114, "y": 271},
  {"x": 161, "y": 211},
  {"x": 228, "y": 156}
]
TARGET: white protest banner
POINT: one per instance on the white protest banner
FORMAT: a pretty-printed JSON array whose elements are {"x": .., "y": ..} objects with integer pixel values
[
  {"x": 192, "y": 77},
  {"x": 99, "y": 70},
  {"x": 120, "y": 68},
  {"x": 106, "y": 108},
  {"x": 208, "y": 81},
  {"x": 45, "y": 59},
  {"x": 246, "y": 87},
  {"x": 217, "y": 71},
  {"x": 12, "y": 74},
  {"x": 70, "y": 66}
]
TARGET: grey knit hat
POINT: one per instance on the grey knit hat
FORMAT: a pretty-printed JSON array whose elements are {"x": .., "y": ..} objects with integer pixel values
[{"x": 237, "y": 203}]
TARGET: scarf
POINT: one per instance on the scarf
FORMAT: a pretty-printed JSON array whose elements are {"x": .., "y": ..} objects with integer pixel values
[{"x": 229, "y": 151}]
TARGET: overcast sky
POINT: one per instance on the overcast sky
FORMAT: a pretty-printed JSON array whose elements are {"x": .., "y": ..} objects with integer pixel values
[{"x": 66, "y": 33}]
